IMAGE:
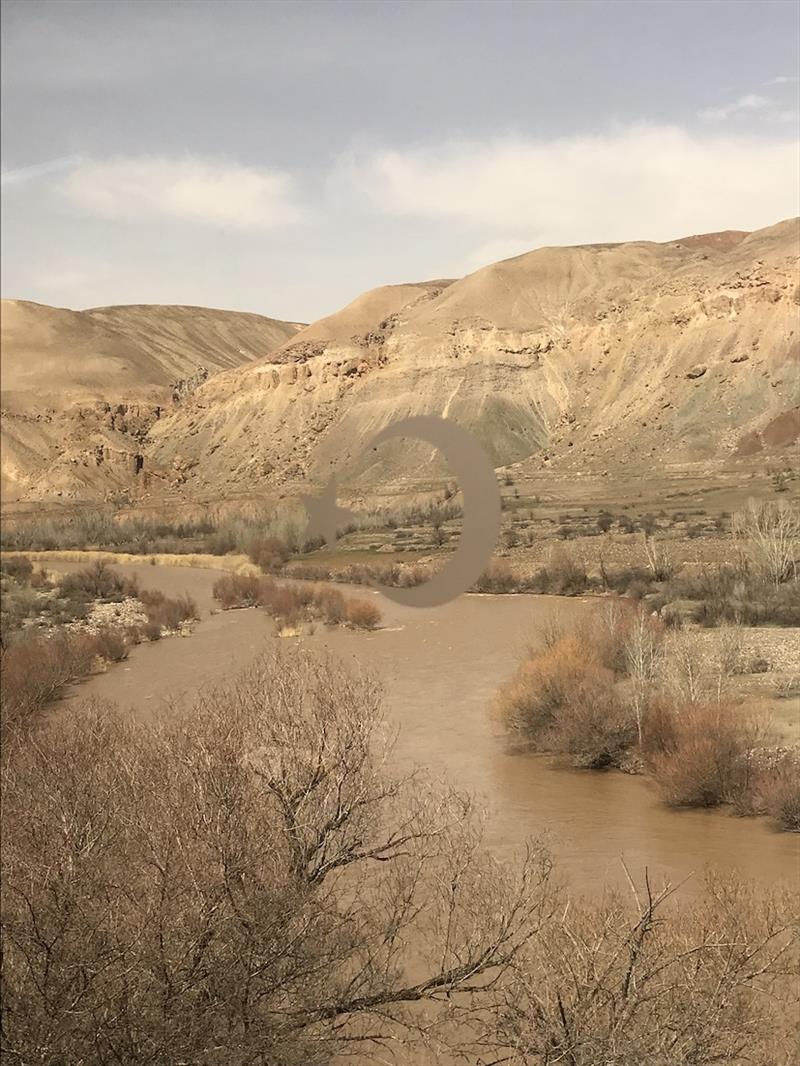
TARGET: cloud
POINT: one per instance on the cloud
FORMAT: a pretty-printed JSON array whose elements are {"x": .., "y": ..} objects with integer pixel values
[
  {"x": 193, "y": 189},
  {"x": 750, "y": 102},
  {"x": 783, "y": 79},
  {"x": 647, "y": 182},
  {"x": 38, "y": 170}
]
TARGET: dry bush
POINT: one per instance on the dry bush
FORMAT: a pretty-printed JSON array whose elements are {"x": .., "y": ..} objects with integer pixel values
[
  {"x": 18, "y": 567},
  {"x": 247, "y": 883},
  {"x": 686, "y": 672},
  {"x": 363, "y": 614},
  {"x": 37, "y": 668},
  {"x": 700, "y": 753},
  {"x": 769, "y": 533},
  {"x": 498, "y": 578},
  {"x": 283, "y": 603},
  {"x": 151, "y": 631},
  {"x": 237, "y": 590},
  {"x": 776, "y": 789},
  {"x": 173, "y": 612},
  {"x": 268, "y": 553},
  {"x": 332, "y": 604},
  {"x": 695, "y": 669},
  {"x": 703, "y": 983},
  {"x": 98, "y": 581},
  {"x": 111, "y": 645},
  {"x": 564, "y": 700},
  {"x": 659, "y": 559}
]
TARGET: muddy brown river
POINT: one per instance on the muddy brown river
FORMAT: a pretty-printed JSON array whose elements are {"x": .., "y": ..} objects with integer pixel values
[{"x": 441, "y": 669}]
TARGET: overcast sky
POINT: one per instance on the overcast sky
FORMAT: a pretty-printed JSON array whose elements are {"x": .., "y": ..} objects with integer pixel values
[{"x": 282, "y": 158}]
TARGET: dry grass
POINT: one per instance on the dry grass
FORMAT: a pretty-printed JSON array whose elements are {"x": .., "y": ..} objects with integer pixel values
[{"x": 237, "y": 564}]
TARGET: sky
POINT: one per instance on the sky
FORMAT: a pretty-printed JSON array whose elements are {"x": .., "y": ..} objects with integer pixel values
[{"x": 284, "y": 157}]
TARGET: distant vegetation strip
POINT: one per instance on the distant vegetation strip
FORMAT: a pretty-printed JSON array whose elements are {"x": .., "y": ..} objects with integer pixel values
[{"x": 237, "y": 564}]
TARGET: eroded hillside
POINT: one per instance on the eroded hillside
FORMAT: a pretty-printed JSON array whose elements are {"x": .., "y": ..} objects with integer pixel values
[
  {"x": 593, "y": 359},
  {"x": 589, "y": 358},
  {"x": 81, "y": 389}
]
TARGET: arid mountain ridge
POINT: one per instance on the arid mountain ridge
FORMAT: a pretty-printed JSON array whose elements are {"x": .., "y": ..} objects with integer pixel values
[{"x": 585, "y": 359}]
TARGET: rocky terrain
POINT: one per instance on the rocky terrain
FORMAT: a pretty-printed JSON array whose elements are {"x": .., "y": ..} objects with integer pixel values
[
  {"x": 599, "y": 359},
  {"x": 81, "y": 389}
]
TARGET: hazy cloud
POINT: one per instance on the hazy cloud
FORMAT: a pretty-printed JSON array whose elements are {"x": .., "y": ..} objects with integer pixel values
[
  {"x": 38, "y": 170},
  {"x": 750, "y": 102},
  {"x": 194, "y": 189},
  {"x": 645, "y": 182}
]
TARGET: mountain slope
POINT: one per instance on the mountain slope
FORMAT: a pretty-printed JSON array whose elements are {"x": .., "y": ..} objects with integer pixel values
[
  {"x": 582, "y": 358},
  {"x": 80, "y": 388},
  {"x": 591, "y": 359}
]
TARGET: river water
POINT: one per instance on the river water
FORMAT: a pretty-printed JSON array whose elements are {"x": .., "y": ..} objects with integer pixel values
[{"x": 441, "y": 668}]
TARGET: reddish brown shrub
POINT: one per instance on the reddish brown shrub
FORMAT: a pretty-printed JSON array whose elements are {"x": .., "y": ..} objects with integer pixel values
[
  {"x": 564, "y": 700},
  {"x": 237, "y": 590},
  {"x": 283, "y": 604},
  {"x": 37, "y": 668},
  {"x": 332, "y": 604},
  {"x": 268, "y": 553},
  {"x": 777, "y": 790},
  {"x": 700, "y": 753},
  {"x": 363, "y": 614}
]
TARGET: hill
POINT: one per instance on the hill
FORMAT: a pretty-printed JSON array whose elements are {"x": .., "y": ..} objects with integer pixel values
[
  {"x": 580, "y": 359},
  {"x": 596, "y": 359},
  {"x": 80, "y": 389}
]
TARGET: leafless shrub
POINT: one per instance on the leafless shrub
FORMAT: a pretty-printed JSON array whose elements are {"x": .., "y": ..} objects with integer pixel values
[
  {"x": 169, "y": 613},
  {"x": 99, "y": 581},
  {"x": 703, "y": 982},
  {"x": 268, "y": 553},
  {"x": 363, "y": 614},
  {"x": 769, "y": 533},
  {"x": 685, "y": 668},
  {"x": 237, "y": 590},
  {"x": 282, "y": 603},
  {"x": 18, "y": 567},
  {"x": 248, "y": 883},
  {"x": 777, "y": 790},
  {"x": 498, "y": 578},
  {"x": 564, "y": 701},
  {"x": 151, "y": 631},
  {"x": 643, "y": 643},
  {"x": 332, "y": 604},
  {"x": 700, "y": 753},
  {"x": 111, "y": 645},
  {"x": 658, "y": 558}
]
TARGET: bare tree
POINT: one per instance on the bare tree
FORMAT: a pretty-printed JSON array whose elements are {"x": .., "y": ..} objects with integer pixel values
[
  {"x": 625, "y": 984},
  {"x": 770, "y": 532},
  {"x": 685, "y": 668},
  {"x": 247, "y": 883},
  {"x": 659, "y": 559},
  {"x": 643, "y": 641}
]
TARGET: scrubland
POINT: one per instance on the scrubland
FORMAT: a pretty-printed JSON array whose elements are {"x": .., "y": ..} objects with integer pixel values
[
  {"x": 253, "y": 880},
  {"x": 56, "y": 630},
  {"x": 625, "y": 692}
]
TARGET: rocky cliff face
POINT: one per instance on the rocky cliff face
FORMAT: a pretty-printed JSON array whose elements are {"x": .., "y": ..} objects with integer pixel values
[
  {"x": 584, "y": 358},
  {"x": 82, "y": 389}
]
